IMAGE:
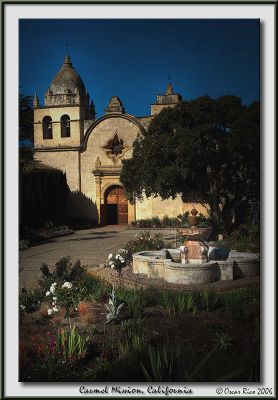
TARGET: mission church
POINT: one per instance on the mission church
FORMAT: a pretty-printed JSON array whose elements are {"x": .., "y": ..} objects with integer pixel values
[{"x": 90, "y": 150}]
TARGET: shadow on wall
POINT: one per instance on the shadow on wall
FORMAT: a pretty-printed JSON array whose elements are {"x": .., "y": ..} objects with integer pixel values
[{"x": 81, "y": 211}]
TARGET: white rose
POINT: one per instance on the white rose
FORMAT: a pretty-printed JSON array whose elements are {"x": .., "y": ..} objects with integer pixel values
[
  {"x": 22, "y": 307},
  {"x": 52, "y": 289},
  {"x": 67, "y": 285},
  {"x": 112, "y": 265},
  {"x": 54, "y": 298},
  {"x": 48, "y": 293},
  {"x": 50, "y": 311},
  {"x": 110, "y": 256},
  {"x": 55, "y": 309},
  {"x": 117, "y": 256}
]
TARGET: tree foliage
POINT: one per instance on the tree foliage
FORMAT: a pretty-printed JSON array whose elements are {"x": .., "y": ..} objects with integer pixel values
[
  {"x": 205, "y": 150},
  {"x": 26, "y": 118},
  {"x": 43, "y": 196}
]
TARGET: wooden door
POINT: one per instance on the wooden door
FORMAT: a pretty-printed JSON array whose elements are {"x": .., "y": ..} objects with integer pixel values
[{"x": 117, "y": 206}]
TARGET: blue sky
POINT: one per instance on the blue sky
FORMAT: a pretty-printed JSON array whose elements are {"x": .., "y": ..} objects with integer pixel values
[{"x": 132, "y": 58}]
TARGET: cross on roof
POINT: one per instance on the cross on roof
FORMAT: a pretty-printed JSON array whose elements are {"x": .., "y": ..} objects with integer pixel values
[
  {"x": 169, "y": 76},
  {"x": 67, "y": 47}
]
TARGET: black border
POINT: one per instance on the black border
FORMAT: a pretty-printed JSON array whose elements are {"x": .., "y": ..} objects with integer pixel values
[{"x": 2, "y": 145}]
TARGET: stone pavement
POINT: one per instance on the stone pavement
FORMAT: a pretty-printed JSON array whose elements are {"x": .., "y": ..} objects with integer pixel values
[{"x": 90, "y": 246}]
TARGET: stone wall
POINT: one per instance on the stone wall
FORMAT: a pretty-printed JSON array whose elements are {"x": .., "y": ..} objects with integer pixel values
[
  {"x": 155, "y": 206},
  {"x": 97, "y": 140},
  {"x": 66, "y": 161},
  {"x": 156, "y": 108}
]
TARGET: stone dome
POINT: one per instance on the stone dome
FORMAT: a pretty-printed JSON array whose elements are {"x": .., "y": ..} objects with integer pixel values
[{"x": 66, "y": 87}]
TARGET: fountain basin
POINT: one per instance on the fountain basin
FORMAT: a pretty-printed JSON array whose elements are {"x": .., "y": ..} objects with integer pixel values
[
  {"x": 151, "y": 264},
  {"x": 244, "y": 264},
  {"x": 171, "y": 270}
]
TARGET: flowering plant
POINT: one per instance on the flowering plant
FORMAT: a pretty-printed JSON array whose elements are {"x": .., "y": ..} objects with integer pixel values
[
  {"x": 144, "y": 241},
  {"x": 118, "y": 261},
  {"x": 61, "y": 295}
]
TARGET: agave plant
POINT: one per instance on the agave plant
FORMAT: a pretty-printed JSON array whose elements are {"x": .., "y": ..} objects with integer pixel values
[{"x": 113, "y": 310}]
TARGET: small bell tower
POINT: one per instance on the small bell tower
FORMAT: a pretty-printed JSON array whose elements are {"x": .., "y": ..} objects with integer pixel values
[{"x": 169, "y": 99}]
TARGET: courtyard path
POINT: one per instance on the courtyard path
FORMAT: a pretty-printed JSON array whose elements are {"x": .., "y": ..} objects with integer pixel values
[{"x": 90, "y": 246}]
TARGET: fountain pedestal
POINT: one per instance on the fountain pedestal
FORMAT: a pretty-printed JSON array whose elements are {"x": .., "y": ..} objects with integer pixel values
[
  {"x": 194, "y": 250},
  {"x": 197, "y": 252}
]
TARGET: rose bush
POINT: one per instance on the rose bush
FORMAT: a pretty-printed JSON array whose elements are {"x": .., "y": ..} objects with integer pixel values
[
  {"x": 144, "y": 241},
  {"x": 118, "y": 261}
]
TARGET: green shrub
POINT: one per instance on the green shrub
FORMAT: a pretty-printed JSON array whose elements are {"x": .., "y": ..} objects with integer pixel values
[
  {"x": 163, "y": 365},
  {"x": 133, "y": 337},
  {"x": 98, "y": 373},
  {"x": 209, "y": 299},
  {"x": 30, "y": 299},
  {"x": 166, "y": 221},
  {"x": 168, "y": 301},
  {"x": 170, "y": 222},
  {"x": 204, "y": 221},
  {"x": 23, "y": 244},
  {"x": 144, "y": 241},
  {"x": 134, "y": 299},
  {"x": 43, "y": 195},
  {"x": 132, "y": 326},
  {"x": 68, "y": 284},
  {"x": 242, "y": 239},
  {"x": 152, "y": 296},
  {"x": 181, "y": 302},
  {"x": 70, "y": 344},
  {"x": 156, "y": 222},
  {"x": 241, "y": 303},
  {"x": 183, "y": 220}
]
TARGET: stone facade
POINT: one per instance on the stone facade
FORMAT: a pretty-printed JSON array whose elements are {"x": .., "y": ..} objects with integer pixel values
[{"x": 67, "y": 136}]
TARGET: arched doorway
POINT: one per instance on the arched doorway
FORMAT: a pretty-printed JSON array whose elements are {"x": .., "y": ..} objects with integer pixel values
[{"x": 116, "y": 206}]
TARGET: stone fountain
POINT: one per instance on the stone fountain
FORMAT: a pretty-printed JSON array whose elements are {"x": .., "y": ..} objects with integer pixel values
[{"x": 192, "y": 264}]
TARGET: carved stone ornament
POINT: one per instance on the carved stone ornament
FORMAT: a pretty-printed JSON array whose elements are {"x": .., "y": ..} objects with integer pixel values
[{"x": 115, "y": 148}]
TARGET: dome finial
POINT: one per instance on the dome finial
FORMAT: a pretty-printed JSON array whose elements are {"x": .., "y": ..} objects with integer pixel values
[
  {"x": 67, "y": 62},
  {"x": 67, "y": 48}
]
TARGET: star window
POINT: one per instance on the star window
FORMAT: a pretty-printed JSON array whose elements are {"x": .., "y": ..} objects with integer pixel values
[{"x": 115, "y": 148}]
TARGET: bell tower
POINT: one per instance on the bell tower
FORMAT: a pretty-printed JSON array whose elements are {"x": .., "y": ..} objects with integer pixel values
[
  {"x": 60, "y": 122},
  {"x": 169, "y": 99}
]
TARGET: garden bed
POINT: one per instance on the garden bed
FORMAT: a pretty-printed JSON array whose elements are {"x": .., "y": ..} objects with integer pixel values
[
  {"x": 32, "y": 236},
  {"x": 154, "y": 333},
  {"x": 228, "y": 339},
  {"x": 54, "y": 233},
  {"x": 111, "y": 325}
]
